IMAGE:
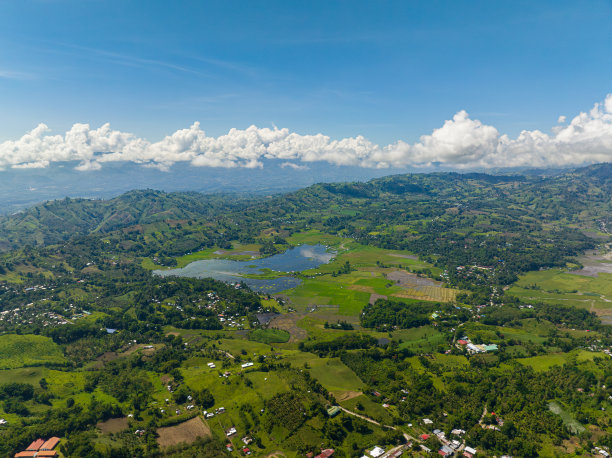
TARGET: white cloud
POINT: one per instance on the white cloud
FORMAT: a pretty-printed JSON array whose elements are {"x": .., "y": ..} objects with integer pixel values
[
  {"x": 294, "y": 166},
  {"x": 460, "y": 142}
]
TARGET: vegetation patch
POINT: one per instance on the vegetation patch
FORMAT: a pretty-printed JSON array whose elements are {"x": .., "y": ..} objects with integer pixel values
[
  {"x": 28, "y": 350},
  {"x": 269, "y": 335}
]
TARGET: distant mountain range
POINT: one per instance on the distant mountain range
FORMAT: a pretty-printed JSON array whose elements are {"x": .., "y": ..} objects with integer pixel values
[
  {"x": 57, "y": 220},
  {"x": 22, "y": 188}
]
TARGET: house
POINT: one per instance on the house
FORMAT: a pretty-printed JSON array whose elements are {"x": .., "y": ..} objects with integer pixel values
[
  {"x": 247, "y": 440},
  {"x": 376, "y": 452},
  {"x": 491, "y": 347},
  {"x": 230, "y": 431},
  {"x": 50, "y": 444},
  {"x": 462, "y": 342},
  {"x": 424, "y": 437},
  {"x": 446, "y": 451},
  {"x": 427, "y": 421},
  {"x": 333, "y": 411},
  {"x": 470, "y": 450},
  {"x": 325, "y": 453}
]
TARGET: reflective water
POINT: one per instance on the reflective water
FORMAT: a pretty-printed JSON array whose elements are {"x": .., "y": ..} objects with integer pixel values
[{"x": 293, "y": 260}]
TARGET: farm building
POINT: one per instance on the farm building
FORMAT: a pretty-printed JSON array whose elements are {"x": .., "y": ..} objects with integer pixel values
[
  {"x": 40, "y": 449},
  {"x": 333, "y": 411}
]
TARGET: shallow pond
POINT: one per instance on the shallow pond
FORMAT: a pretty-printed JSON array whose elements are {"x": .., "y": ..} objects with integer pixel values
[{"x": 294, "y": 259}]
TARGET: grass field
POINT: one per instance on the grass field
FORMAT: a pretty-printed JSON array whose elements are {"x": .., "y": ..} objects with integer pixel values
[
  {"x": 570, "y": 422},
  {"x": 560, "y": 287},
  {"x": 236, "y": 253},
  {"x": 28, "y": 350},
  {"x": 269, "y": 336},
  {"x": 544, "y": 362},
  {"x": 332, "y": 373},
  {"x": 423, "y": 339}
]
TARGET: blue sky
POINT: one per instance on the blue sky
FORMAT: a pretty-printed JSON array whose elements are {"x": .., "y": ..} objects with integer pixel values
[{"x": 387, "y": 70}]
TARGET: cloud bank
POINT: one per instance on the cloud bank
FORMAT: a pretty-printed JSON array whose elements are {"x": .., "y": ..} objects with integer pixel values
[{"x": 461, "y": 142}]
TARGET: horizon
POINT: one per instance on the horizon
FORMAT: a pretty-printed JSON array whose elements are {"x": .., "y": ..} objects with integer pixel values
[{"x": 459, "y": 85}]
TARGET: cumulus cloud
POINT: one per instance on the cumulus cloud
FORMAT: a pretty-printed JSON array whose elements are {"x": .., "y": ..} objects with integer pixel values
[{"x": 460, "y": 142}]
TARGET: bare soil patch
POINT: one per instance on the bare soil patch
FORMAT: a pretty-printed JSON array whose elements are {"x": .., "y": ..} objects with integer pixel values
[
  {"x": 342, "y": 396},
  {"x": 374, "y": 297},
  {"x": 410, "y": 280},
  {"x": 114, "y": 425},
  {"x": 186, "y": 432},
  {"x": 288, "y": 322},
  {"x": 362, "y": 288}
]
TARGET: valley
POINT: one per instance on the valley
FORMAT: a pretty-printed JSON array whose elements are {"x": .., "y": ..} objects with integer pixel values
[{"x": 344, "y": 316}]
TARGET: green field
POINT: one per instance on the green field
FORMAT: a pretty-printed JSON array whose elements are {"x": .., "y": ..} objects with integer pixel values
[
  {"x": 269, "y": 336},
  {"x": 423, "y": 339},
  {"x": 28, "y": 350},
  {"x": 208, "y": 253},
  {"x": 558, "y": 286},
  {"x": 545, "y": 362}
]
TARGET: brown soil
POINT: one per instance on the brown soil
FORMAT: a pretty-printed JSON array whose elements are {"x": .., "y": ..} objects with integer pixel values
[
  {"x": 410, "y": 280},
  {"x": 362, "y": 288},
  {"x": 288, "y": 322},
  {"x": 186, "y": 432},
  {"x": 342, "y": 396},
  {"x": 114, "y": 425},
  {"x": 374, "y": 297}
]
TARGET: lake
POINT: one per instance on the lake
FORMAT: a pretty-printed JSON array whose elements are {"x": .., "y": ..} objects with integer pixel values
[{"x": 295, "y": 259}]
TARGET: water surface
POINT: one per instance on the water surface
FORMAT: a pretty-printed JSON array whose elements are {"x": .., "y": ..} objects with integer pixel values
[{"x": 294, "y": 259}]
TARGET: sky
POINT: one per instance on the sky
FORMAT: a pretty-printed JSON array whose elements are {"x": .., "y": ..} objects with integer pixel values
[{"x": 375, "y": 84}]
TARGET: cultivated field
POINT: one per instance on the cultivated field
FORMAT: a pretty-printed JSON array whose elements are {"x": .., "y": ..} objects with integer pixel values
[
  {"x": 186, "y": 432},
  {"x": 114, "y": 425}
]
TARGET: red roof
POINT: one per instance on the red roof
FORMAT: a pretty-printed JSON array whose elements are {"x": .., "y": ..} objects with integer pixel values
[
  {"x": 28, "y": 453},
  {"x": 50, "y": 444},
  {"x": 35, "y": 445},
  {"x": 424, "y": 436},
  {"x": 46, "y": 453},
  {"x": 325, "y": 453},
  {"x": 462, "y": 342}
]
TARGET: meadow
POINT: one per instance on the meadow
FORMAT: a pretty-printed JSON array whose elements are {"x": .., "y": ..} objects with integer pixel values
[
  {"x": 559, "y": 286},
  {"x": 28, "y": 350}
]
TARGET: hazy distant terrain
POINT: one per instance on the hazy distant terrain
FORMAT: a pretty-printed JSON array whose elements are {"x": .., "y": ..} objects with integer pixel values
[{"x": 22, "y": 188}]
